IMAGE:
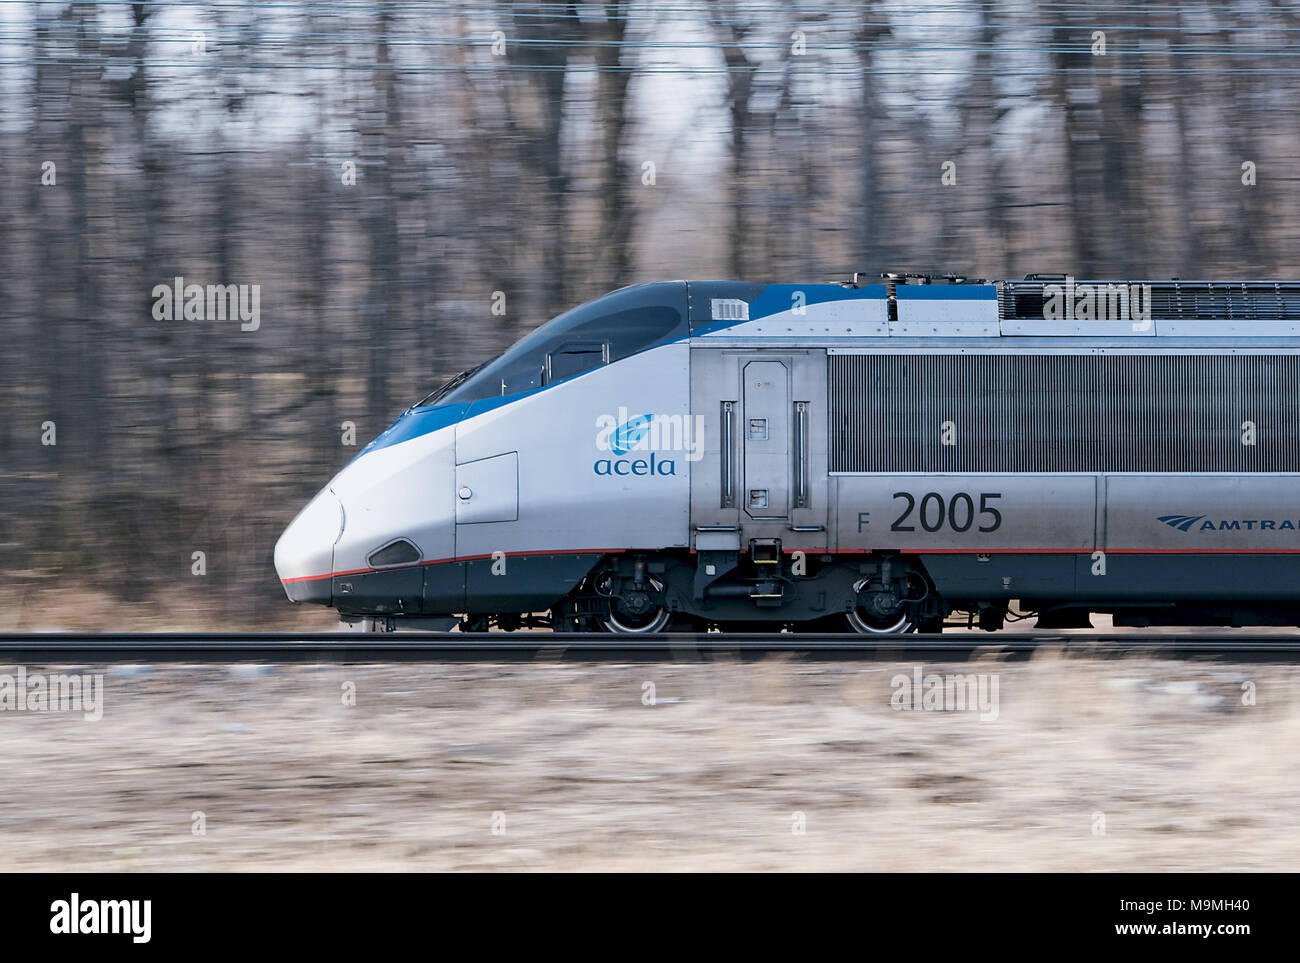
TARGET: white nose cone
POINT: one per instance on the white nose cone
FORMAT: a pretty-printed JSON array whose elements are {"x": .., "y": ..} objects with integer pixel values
[{"x": 306, "y": 549}]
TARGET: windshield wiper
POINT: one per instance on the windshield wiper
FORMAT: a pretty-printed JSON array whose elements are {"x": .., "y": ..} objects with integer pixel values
[{"x": 454, "y": 383}]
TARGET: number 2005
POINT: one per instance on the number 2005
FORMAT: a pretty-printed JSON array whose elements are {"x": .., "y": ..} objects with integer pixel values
[{"x": 958, "y": 513}]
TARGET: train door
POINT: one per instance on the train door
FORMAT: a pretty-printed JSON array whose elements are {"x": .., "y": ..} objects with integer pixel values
[
  {"x": 764, "y": 469},
  {"x": 763, "y": 474},
  {"x": 487, "y": 495}
]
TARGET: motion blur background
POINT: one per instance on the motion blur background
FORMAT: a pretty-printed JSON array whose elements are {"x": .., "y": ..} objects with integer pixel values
[{"x": 387, "y": 172}]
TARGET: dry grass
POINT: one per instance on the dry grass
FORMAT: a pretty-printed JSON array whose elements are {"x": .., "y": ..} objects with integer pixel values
[
  {"x": 590, "y": 778},
  {"x": 54, "y": 609}
]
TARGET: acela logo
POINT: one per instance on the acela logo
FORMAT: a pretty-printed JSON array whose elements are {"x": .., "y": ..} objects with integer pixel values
[
  {"x": 630, "y": 434},
  {"x": 624, "y": 434},
  {"x": 1203, "y": 523}
]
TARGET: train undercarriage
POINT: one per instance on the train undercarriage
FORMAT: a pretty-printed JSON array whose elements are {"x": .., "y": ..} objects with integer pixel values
[
  {"x": 761, "y": 590},
  {"x": 764, "y": 590},
  {"x": 770, "y": 591}
]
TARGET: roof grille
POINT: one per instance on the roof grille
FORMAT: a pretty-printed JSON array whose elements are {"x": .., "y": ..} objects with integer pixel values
[{"x": 1171, "y": 300}]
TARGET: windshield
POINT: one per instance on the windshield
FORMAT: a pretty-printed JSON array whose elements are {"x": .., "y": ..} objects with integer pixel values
[{"x": 598, "y": 332}]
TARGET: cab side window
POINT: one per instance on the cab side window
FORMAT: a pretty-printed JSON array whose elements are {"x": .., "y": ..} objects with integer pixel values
[
  {"x": 575, "y": 357},
  {"x": 524, "y": 374},
  {"x": 597, "y": 333}
]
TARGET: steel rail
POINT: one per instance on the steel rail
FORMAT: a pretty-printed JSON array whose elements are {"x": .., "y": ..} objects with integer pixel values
[{"x": 355, "y": 647}]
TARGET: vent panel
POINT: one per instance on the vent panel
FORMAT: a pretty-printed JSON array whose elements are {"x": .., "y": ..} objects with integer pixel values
[
  {"x": 400, "y": 552},
  {"x": 1064, "y": 413}
]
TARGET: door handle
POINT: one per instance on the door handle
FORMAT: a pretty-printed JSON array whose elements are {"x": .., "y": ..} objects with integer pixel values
[
  {"x": 801, "y": 454},
  {"x": 728, "y": 454}
]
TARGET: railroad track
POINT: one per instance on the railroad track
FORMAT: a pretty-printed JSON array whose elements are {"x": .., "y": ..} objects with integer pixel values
[{"x": 50, "y": 648}]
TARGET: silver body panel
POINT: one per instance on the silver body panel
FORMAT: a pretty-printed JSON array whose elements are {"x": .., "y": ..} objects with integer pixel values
[
  {"x": 1023, "y": 513},
  {"x": 565, "y": 501}
]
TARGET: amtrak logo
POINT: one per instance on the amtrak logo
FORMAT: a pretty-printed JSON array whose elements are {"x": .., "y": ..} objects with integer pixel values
[
  {"x": 1181, "y": 522},
  {"x": 1203, "y": 523}
]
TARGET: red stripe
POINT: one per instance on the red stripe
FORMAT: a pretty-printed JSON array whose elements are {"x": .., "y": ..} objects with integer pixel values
[
  {"x": 836, "y": 551},
  {"x": 960, "y": 551},
  {"x": 1204, "y": 551},
  {"x": 1065, "y": 551},
  {"x": 469, "y": 558}
]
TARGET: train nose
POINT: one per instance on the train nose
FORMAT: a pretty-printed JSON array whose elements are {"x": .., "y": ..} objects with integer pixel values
[{"x": 304, "y": 555}]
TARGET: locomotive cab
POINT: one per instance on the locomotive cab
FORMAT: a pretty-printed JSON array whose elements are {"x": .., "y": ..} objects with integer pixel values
[{"x": 469, "y": 483}]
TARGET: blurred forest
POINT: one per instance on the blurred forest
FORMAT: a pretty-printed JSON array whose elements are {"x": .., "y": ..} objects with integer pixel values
[{"x": 388, "y": 173}]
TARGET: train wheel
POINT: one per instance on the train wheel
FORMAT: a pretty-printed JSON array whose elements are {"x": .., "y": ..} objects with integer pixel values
[
  {"x": 879, "y": 612},
  {"x": 636, "y": 614},
  {"x": 868, "y": 624}
]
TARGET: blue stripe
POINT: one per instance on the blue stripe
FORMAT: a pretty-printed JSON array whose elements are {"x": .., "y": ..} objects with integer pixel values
[
  {"x": 488, "y": 404},
  {"x": 946, "y": 292},
  {"x": 780, "y": 298},
  {"x": 423, "y": 421},
  {"x": 417, "y": 422}
]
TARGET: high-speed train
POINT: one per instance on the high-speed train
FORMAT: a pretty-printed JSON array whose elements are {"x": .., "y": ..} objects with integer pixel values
[{"x": 876, "y": 456}]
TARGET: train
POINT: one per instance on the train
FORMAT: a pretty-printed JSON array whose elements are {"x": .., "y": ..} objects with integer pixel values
[{"x": 879, "y": 455}]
